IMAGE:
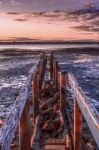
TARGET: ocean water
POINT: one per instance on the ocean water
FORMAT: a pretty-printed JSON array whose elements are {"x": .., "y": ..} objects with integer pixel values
[
  {"x": 47, "y": 46},
  {"x": 85, "y": 68},
  {"x": 14, "y": 70}
]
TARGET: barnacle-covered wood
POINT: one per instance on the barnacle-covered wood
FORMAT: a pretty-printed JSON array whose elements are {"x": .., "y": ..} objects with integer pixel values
[
  {"x": 49, "y": 105},
  {"x": 50, "y": 108},
  {"x": 54, "y": 124}
]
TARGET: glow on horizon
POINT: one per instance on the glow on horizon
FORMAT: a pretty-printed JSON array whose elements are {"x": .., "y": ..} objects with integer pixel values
[
  {"x": 41, "y": 29},
  {"x": 47, "y": 25}
]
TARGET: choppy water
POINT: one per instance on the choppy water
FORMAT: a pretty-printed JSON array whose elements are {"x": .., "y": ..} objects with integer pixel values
[
  {"x": 85, "y": 67},
  {"x": 13, "y": 74},
  {"x": 14, "y": 71}
]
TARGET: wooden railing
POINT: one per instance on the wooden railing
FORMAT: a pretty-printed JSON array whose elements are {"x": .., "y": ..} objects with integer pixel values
[
  {"x": 82, "y": 108},
  {"x": 20, "y": 113}
]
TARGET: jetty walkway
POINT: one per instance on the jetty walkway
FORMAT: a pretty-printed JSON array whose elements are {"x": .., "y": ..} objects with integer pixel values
[{"x": 41, "y": 117}]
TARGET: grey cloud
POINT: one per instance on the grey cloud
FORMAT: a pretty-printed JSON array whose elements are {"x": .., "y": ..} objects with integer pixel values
[
  {"x": 21, "y": 19},
  {"x": 12, "y": 13},
  {"x": 88, "y": 19},
  {"x": 84, "y": 27},
  {"x": 88, "y": 28},
  {"x": 22, "y": 39}
]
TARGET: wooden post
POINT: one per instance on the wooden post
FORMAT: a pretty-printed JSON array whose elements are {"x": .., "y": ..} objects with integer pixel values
[
  {"x": 25, "y": 130},
  {"x": 36, "y": 137},
  {"x": 40, "y": 73},
  {"x": 35, "y": 94},
  {"x": 51, "y": 67},
  {"x": 77, "y": 126},
  {"x": 44, "y": 66},
  {"x": 55, "y": 74},
  {"x": 62, "y": 93}
]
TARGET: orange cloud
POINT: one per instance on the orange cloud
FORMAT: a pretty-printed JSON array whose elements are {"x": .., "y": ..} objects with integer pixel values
[
  {"x": 55, "y": 25},
  {"x": 91, "y": 19}
]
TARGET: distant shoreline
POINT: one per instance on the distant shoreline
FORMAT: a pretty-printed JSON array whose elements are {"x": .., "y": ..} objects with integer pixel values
[{"x": 48, "y": 42}]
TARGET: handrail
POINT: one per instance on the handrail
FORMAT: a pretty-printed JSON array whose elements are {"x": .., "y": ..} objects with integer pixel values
[
  {"x": 7, "y": 131},
  {"x": 89, "y": 112}
]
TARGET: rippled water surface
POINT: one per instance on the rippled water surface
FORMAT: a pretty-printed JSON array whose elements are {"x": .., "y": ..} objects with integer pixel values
[
  {"x": 14, "y": 71},
  {"x": 85, "y": 67}
]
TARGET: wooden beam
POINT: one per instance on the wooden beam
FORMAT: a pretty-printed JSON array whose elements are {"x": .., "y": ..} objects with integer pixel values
[
  {"x": 25, "y": 130},
  {"x": 7, "y": 131},
  {"x": 42, "y": 70},
  {"x": 55, "y": 74},
  {"x": 51, "y": 67},
  {"x": 35, "y": 94},
  {"x": 77, "y": 126},
  {"x": 90, "y": 114},
  {"x": 36, "y": 137},
  {"x": 62, "y": 93}
]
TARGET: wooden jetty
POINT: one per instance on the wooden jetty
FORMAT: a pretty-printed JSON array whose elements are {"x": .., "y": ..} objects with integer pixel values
[{"x": 52, "y": 128}]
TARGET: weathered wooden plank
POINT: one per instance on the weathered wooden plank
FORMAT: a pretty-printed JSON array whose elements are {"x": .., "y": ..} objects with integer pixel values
[
  {"x": 51, "y": 66},
  {"x": 55, "y": 74},
  {"x": 77, "y": 126},
  {"x": 42, "y": 70},
  {"x": 25, "y": 129},
  {"x": 7, "y": 131},
  {"x": 62, "y": 94},
  {"x": 36, "y": 137},
  {"x": 55, "y": 147},
  {"x": 89, "y": 112},
  {"x": 35, "y": 95}
]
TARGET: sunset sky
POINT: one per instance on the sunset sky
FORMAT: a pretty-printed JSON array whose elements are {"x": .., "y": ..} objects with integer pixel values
[{"x": 49, "y": 19}]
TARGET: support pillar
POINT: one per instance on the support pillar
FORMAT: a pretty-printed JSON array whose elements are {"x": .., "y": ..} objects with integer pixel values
[
  {"x": 35, "y": 94},
  {"x": 55, "y": 74},
  {"x": 51, "y": 67},
  {"x": 25, "y": 130},
  {"x": 77, "y": 126},
  {"x": 40, "y": 73},
  {"x": 62, "y": 93}
]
